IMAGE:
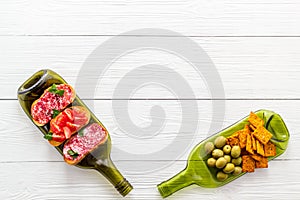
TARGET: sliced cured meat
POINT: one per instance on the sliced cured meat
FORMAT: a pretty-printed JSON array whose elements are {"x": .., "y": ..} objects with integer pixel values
[
  {"x": 79, "y": 145},
  {"x": 54, "y": 98},
  {"x": 66, "y": 123}
]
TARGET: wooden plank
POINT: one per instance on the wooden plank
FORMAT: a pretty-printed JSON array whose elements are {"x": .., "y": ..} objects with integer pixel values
[
  {"x": 19, "y": 135},
  {"x": 60, "y": 181},
  {"x": 249, "y": 67},
  {"x": 196, "y": 18}
]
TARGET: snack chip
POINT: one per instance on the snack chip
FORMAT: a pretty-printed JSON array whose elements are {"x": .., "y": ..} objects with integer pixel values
[
  {"x": 253, "y": 142},
  {"x": 270, "y": 149},
  {"x": 236, "y": 134},
  {"x": 263, "y": 163},
  {"x": 255, "y": 120},
  {"x": 249, "y": 144},
  {"x": 244, "y": 152},
  {"x": 262, "y": 134},
  {"x": 248, "y": 164},
  {"x": 252, "y": 128},
  {"x": 233, "y": 141},
  {"x": 260, "y": 148},
  {"x": 257, "y": 157},
  {"x": 243, "y": 136}
]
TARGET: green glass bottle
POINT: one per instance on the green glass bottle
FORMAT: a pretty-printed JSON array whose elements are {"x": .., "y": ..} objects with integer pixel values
[
  {"x": 197, "y": 172},
  {"x": 99, "y": 159}
]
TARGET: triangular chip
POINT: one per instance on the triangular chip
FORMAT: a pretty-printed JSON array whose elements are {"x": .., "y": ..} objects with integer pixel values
[
  {"x": 260, "y": 148},
  {"x": 263, "y": 163},
  {"x": 247, "y": 129},
  {"x": 257, "y": 157},
  {"x": 270, "y": 149},
  {"x": 262, "y": 134},
  {"x": 249, "y": 144},
  {"x": 255, "y": 120},
  {"x": 233, "y": 140},
  {"x": 248, "y": 164}
]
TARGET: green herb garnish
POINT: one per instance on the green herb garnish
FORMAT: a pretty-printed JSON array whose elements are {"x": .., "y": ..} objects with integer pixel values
[
  {"x": 53, "y": 89},
  {"x": 80, "y": 133},
  {"x": 48, "y": 136},
  {"x": 73, "y": 153},
  {"x": 60, "y": 92},
  {"x": 55, "y": 113}
]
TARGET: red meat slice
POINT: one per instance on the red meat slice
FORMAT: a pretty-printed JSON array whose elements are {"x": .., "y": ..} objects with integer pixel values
[
  {"x": 79, "y": 145},
  {"x": 42, "y": 109},
  {"x": 69, "y": 122}
]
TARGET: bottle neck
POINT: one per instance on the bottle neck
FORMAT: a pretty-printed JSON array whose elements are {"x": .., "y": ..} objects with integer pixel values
[
  {"x": 177, "y": 182},
  {"x": 108, "y": 169}
]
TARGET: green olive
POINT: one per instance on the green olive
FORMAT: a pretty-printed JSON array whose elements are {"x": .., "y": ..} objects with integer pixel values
[
  {"x": 209, "y": 147},
  {"x": 235, "y": 151},
  {"x": 221, "y": 176},
  {"x": 217, "y": 153},
  {"x": 237, "y": 161},
  {"x": 228, "y": 158},
  {"x": 228, "y": 168},
  {"x": 221, "y": 162},
  {"x": 211, "y": 162},
  {"x": 227, "y": 149},
  {"x": 220, "y": 142},
  {"x": 237, "y": 171}
]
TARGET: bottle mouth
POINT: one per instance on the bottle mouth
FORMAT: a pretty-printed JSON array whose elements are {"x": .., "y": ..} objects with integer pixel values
[
  {"x": 124, "y": 187},
  {"x": 32, "y": 83}
]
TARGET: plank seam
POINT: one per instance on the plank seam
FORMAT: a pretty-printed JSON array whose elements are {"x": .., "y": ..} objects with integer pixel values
[{"x": 191, "y": 36}]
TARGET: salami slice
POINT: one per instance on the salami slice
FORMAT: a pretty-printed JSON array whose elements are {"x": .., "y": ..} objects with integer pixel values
[
  {"x": 55, "y": 98},
  {"x": 79, "y": 145},
  {"x": 66, "y": 123}
]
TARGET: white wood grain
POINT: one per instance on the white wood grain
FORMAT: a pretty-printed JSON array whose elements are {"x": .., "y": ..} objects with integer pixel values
[
  {"x": 60, "y": 181},
  {"x": 261, "y": 64},
  {"x": 19, "y": 135},
  {"x": 189, "y": 17},
  {"x": 249, "y": 67}
]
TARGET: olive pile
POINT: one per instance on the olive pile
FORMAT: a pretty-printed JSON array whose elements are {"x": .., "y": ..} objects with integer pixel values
[{"x": 224, "y": 157}]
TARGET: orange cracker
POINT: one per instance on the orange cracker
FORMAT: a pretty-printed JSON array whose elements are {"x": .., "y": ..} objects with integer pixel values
[
  {"x": 234, "y": 139},
  {"x": 235, "y": 135},
  {"x": 247, "y": 129},
  {"x": 248, "y": 164},
  {"x": 257, "y": 157},
  {"x": 270, "y": 149},
  {"x": 262, "y": 134},
  {"x": 252, "y": 128},
  {"x": 249, "y": 144},
  {"x": 244, "y": 152},
  {"x": 255, "y": 120},
  {"x": 243, "y": 136},
  {"x": 260, "y": 148},
  {"x": 263, "y": 163},
  {"x": 253, "y": 142}
]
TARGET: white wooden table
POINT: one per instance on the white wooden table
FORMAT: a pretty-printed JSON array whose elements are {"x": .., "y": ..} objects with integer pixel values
[{"x": 255, "y": 46}]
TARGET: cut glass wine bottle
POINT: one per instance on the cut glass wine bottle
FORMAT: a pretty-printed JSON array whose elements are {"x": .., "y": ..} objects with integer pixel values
[
  {"x": 197, "y": 171},
  {"x": 99, "y": 156}
]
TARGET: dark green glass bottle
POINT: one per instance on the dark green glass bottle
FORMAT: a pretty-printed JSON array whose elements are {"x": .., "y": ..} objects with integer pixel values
[
  {"x": 197, "y": 172},
  {"x": 99, "y": 159}
]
